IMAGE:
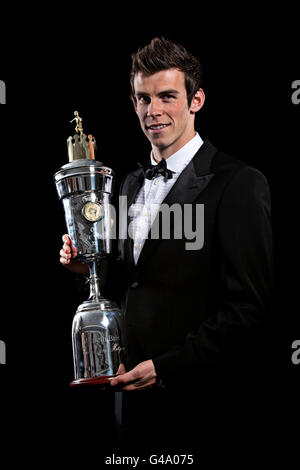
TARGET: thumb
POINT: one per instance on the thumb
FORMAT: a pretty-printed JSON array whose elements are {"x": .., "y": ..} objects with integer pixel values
[
  {"x": 73, "y": 248},
  {"x": 121, "y": 370}
]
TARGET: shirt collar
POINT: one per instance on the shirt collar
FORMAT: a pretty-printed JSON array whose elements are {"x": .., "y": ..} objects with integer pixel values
[{"x": 179, "y": 160}]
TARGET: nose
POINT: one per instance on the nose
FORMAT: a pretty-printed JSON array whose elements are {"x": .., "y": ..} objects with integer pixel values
[{"x": 154, "y": 108}]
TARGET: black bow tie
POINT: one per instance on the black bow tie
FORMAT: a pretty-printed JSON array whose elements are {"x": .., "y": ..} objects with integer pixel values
[{"x": 150, "y": 171}]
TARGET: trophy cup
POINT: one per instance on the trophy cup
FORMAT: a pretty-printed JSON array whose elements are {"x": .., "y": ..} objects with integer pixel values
[{"x": 85, "y": 186}]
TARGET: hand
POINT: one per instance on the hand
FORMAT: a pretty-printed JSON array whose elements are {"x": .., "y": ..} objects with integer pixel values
[
  {"x": 67, "y": 255},
  {"x": 141, "y": 377}
]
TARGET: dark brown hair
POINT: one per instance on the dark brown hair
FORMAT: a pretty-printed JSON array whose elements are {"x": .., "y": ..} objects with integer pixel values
[{"x": 162, "y": 54}]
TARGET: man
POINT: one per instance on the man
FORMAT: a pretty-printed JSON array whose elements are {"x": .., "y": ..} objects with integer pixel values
[{"x": 190, "y": 314}]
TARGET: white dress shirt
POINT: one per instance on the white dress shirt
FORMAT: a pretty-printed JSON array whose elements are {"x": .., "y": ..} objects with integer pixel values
[{"x": 153, "y": 192}]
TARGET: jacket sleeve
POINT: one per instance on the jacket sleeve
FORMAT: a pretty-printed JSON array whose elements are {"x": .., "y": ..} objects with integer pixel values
[{"x": 244, "y": 239}]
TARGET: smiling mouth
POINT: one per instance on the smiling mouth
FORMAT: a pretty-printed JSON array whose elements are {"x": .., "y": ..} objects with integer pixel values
[{"x": 157, "y": 127}]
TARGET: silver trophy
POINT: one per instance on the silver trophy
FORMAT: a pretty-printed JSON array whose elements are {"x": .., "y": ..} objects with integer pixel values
[{"x": 85, "y": 186}]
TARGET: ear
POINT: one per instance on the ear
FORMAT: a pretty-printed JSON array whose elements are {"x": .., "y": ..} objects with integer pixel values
[{"x": 197, "y": 101}]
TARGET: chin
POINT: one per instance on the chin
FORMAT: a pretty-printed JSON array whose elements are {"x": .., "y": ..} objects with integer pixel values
[{"x": 160, "y": 141}]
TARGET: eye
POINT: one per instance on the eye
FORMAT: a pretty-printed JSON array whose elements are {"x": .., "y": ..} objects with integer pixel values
[
  {"x": 144, "y": 99},
  {"x": 168, "y": 97}
]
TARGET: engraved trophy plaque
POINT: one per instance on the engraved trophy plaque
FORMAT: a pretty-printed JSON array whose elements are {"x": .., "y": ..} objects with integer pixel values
[{"x": 85, "y": 186}]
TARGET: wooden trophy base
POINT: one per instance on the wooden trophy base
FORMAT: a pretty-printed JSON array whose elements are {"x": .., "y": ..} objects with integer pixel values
[{"x": 102, "y": 381}]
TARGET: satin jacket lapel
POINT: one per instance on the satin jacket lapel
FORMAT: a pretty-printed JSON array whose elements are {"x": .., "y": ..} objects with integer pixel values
[
  {"x": 134, "y": 182},
  {"x": 192, "y": 181}
]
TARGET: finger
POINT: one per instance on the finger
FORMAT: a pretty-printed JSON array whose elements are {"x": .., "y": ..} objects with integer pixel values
[
  {"x": 65, "y": 254},
  {"x": 69, "y": 247},
  {"x": 129, "y": 388},
  {"x": 133, "y": 387},
  {"x": 66, "y": 248},
  {"x": 73, "y": 248},
  {"x": 66, "y": 238},
  {"x": 139, "y": 385},
  {"x": 64, "y": 257},
  {"x": 123, "y": 379}
]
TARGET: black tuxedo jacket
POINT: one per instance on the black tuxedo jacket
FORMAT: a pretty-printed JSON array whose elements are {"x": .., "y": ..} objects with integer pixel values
[{"x": 199, "y": 312}]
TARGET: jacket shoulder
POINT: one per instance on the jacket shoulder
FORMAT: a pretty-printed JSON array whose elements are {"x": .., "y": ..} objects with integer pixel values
[
  {"x": 234, "y": 169},
  {"x": 224, "y": 162}
]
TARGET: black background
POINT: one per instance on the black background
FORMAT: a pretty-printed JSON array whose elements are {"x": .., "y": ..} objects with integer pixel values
[{"x": 58, "y": 63}]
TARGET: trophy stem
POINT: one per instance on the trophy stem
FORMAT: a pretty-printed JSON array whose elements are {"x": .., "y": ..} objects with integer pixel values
[{"x": 94, "y": 280}]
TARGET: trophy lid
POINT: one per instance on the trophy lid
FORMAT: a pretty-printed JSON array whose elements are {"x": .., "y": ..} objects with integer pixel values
[
  {"x": 82, "y": 163},
  {"x": 83, "y": 167}
]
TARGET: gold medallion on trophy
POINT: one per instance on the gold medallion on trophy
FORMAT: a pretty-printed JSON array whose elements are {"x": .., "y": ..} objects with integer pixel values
[{"x": 92, "y": 211}]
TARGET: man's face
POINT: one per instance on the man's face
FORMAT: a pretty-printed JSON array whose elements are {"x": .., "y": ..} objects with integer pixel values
[{"x": 162, "y": 108}]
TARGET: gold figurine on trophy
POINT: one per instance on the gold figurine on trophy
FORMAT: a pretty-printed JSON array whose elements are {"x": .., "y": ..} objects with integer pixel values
[
  {"x": 80, "y": 146},
  {"x": 78, "y": 119}
]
